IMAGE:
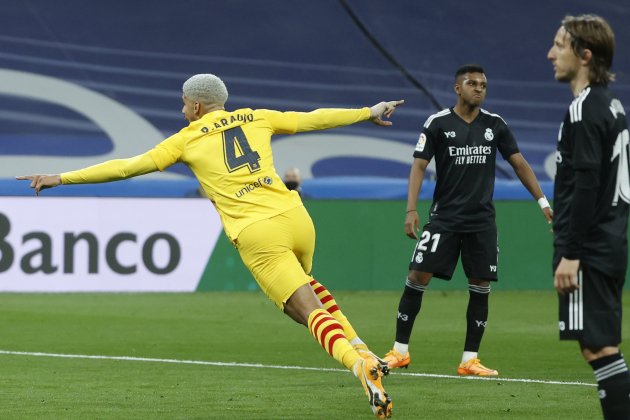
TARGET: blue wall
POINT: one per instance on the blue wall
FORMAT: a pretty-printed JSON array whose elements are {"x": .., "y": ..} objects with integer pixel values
[{"x": 289, "y": 55}]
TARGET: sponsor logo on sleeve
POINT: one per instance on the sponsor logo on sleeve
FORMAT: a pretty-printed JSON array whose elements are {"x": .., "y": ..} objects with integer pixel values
[{"x": 421, "y": 142}]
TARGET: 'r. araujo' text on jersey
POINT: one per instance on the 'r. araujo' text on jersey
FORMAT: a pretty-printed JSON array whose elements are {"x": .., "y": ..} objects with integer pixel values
[
  {"x": 465, "y": 156},
  {"x": 594, "y": 136}
]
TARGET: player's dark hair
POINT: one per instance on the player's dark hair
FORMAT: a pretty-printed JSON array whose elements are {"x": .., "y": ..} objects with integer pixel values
[
  {"x": 468, "y": 68},
  {"x": 592, "y": 32}
]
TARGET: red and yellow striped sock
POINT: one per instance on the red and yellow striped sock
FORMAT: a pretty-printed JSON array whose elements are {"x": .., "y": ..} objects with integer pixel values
[
  {"x": 330, "y": 305},
  {"x": 329, "y": 333}
]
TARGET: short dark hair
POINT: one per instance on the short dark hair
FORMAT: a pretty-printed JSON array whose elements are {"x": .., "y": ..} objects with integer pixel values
[
  {"x": 592, "y": 32},
  {"x": 468, "y": 68}
]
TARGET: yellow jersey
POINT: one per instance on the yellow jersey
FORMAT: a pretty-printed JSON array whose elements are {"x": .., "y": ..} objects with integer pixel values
[{"x": 230, "y": 154}]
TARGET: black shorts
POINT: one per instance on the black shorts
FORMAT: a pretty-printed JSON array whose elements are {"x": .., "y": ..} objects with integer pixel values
[
  {"x": 437, "y": 252},
  {"x": 592, "y": 313}
]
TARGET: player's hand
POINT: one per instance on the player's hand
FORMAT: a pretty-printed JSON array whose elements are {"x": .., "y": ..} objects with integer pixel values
[
  {"x": 565, "y": 277},
  {"x": 412, "y": 224},
  {"x": 548, "y": 213},
  {"x": 41, "y": 182},
  {"x": 383, "y": 109}
]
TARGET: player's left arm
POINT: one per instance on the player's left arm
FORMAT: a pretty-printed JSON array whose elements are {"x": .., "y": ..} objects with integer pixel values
[
  {"x": 525, "y": 173},
  {"x": 581, "y": 219},
  {"x": 587, "y": 158},
  {"x": 325, "y": 118}
]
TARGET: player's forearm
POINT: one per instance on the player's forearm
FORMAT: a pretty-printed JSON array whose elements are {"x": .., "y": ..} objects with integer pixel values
[
  {"x": 112, "y": 170},
  {"x": 416, "y": 177},
  {"x": 529, "y": 181},
  {"x": 324, "y": 118}
]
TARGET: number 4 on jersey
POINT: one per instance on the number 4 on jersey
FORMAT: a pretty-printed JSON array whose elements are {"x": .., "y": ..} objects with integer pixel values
[{"x": 237, "y": 151}]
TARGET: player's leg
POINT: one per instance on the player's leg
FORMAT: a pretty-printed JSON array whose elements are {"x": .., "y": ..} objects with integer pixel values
[
  {"x": 330, "y": 304},
  {"x": 304, "y": 250},
  {"x": 303, "y": 307},
  {"x": 435, "y": 252},
  {"x": 408, "y": 309},
  {"x": 479, "y": 258},
  {"x": 266, "y": 248},
  {"x": 592, "y": 315},
  {"x": 368, "y": 369},
  {"x": 613, "y": 380}
]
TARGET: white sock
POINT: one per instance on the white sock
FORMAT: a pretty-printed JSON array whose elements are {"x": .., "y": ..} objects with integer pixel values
[
  {"x": 468, "y": 355},
  {"x": 401, "y": 348},
  {"x": 356, "y": 341}
]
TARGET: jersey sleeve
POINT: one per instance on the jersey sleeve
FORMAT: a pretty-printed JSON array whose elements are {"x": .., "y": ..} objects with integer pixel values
[
  {"x": 112, "y": 170},
  {"x": 425, "y": 147},
  {"x": 507, "y": 143},
  {"x": 169, "y": 151},
  {"x": 320, "y": 119},
  {"x": 160, "y": 157},
  {"x": 587, "y": 147},
  {"x": 280, "y": 122},
  {"x": 325, "y": 118}
]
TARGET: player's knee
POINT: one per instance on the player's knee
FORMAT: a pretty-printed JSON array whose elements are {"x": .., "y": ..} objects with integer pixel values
[
  {"x": 301, "y": 304},
  {"x": 419, "y": 277},
  {"x": 590, "y": 352},
  {"x": 479, "y": 282}
]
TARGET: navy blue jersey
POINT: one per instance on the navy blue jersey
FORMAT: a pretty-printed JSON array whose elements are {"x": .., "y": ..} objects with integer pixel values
[
  {"x": 593, "y": 140},
  {"x": 465, "y": 156}
]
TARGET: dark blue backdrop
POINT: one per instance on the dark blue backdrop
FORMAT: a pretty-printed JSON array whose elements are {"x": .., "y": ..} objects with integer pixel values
[{"x": 291, "y": 55}]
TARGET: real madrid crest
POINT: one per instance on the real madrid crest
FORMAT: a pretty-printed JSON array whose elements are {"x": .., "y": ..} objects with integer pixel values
[{"x": 489, "y": 134}]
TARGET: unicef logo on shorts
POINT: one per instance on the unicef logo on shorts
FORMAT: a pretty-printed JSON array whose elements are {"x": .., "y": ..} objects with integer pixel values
[
  {"x": 489, "y": 134},
  {"x": 419, "y": 257},
  {"x": 267, "y": 180}
]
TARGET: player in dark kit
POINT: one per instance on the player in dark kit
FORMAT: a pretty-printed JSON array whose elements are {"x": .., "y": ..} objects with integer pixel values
[
  {"x": 464, "y": 141},
  {"x": 591, "y": 196}
]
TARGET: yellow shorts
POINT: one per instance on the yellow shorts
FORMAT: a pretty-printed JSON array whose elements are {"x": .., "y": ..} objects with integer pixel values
[{"x": 279, "y": 253}]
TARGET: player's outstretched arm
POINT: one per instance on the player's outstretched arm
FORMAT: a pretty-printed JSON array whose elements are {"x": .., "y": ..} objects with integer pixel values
[
  {"x": 112, "y": 170},
  {"x": 383, "y": 109},
  {"x": 325, "y": 118},
  {"x": 41, "y": 182}
]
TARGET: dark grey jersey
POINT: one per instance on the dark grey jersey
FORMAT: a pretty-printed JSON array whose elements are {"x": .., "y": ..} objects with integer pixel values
[
  {"x": 465, "y": 156},
  {"x": 591, "y": 217}
]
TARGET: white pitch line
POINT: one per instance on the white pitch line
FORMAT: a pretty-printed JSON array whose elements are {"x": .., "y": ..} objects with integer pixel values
[{"x": 262, "y": 366}]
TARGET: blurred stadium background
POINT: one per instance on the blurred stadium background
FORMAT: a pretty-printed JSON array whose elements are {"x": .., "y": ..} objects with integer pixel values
[{"x": 86, "y": 80}]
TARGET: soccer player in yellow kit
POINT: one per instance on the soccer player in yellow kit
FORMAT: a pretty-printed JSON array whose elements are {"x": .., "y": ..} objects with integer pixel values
[{"x": 230, "y": 154}]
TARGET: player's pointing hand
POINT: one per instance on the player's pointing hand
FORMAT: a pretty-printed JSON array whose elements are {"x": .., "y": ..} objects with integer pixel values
[
  {"x": 41, "y": 182},
  {"x": 383, "y": 109}
]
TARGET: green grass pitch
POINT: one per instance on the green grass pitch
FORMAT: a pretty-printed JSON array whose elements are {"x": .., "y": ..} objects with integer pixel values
[{"x": 237, "y": 328}]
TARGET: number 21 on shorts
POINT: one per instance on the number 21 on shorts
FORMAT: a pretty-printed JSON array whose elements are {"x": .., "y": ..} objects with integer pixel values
[{"x": 426, "y": 238}]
